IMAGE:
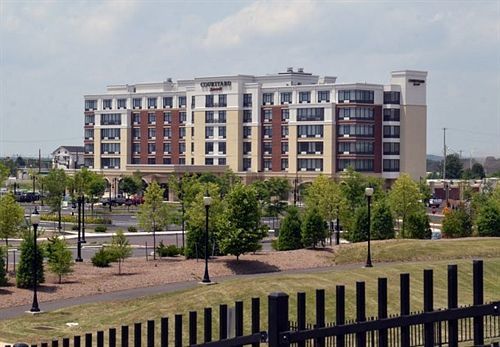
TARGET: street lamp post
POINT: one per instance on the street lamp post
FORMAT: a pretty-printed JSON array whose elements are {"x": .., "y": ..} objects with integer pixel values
[
  {"x": 295, "y": 182},
  {"x": 207, "y": 201},
  {"x": 369, "y": 193},
  {"x": 181, "y": 198},
  {"x": 337, "y": 227},
  {"x": 79, "y": 242},
  {"x": 83, "y": 218},
  {"x": 110, "y": 189},
  {"x": 35, "y": 220}
]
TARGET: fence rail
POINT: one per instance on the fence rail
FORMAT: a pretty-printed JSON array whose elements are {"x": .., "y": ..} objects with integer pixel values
[{"x": 449, "y": 326}]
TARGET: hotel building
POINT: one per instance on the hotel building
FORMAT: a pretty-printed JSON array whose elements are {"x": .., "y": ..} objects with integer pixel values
[{"x": 287, "y": 124}]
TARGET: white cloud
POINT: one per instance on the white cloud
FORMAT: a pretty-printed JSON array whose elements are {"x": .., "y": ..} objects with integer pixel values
[{"x": 259, "y": 18}]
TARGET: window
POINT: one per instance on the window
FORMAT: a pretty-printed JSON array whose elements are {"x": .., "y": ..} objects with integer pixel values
[
  {"x": 222, "y": 132},
  {"x": 356, "y": 113},
  {"x": 268, "y": 131},
  {"x": 168, "y": 102},
  {"x": 193, "y": 101},
  {"x": 136, "y": 118},
  {"x": 136, "y": 148},
  {"x": 152, "y": 161},
  {"x": 209, "y": 101},
  {"x": 167, "y": 132},
  {"x": 182, "y": 101},
  {"x": 209, "y": 117},
  {"x": 137, "y": 103},
  {"x": 182, "y": 117},
  {"x": 247, "y": 116},
  {"x": 267, "y": 99},
  {"x": 182, "y": 161},
  {"x": 151, "y": 148},
  {"x": 268, "y": 164},
  {"x": 209, "y": 147},
  {"x": 151, "y": 102},
  {"x": 247, "y": 132},
  {"x": 392, "y": 98},
  {"x": 267, "y": 147},
  {"x": 122, "y": 103},
  {"x": 209, "y": 132},
  {"x": 361, "y": 96},
  {"x": 151, "y": 133},
  {"x": 310, "y": 164},
  {"x": 284, "y": 164},
  {"x": 209, "y": 161},
  {"x": 222, "y": 117},
  {"x": 111, "y": 119},
  {"x": 305, "y": 97},
  {"x": 88, "y": 148},
  {"x": 106, "y": 104},
  {"x": 222, "y": 148},
  {"x": 247, "y": 164},
  {"x": 310, "y": 147},
  {"x": 391, "y": 115},
  {"x": 358, "y": 147},
  {"x": 284, "y": 131},
  {"x": 356, "y": 164},
  {"x": 286, "y": 98},
  {"x": 110, "y": 148},
  {"x": 167, "y": 147},
  {"x": 90, "y": 105},
  {"x": 391, "y": 131},
  {"x": 110, "y": 134},
  {"x": 324, "y": 95},
  {"x": 247, "y": 147},
  {"x": 167, "y": 161},
  {"x": 391, "y": 165},
  {"x": 247, "y": 100},
  {"x": 268, "y": 115},
  {"x": 285, "y": 115},
  {"x": 110, "y": 163},
  {"x": 391, "y": 148},
  {"x": 310, "y": 130},
  {"x": 182, "y": 133},
  {"x": 89, "y": 119},
  {"x": 151, "y": 118},
  {"x": 361, "y": 130},
  {"x": 136, "y": 133},
  {"x": 136, "y": 160},
  {"x": 88, "y": 162},
  {"x": 311, "y": 114},
  {"x": 167, "y": 117},
  {"x": 182, "y": 148},
  {"x": 284, "y": 148},
  {"x": 222, "y": 100},
  {"x": 222, "y": 161}
]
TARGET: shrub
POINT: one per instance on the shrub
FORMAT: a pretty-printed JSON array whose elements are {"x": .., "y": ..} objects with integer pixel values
[
  {"x": 24, "y": 275},
  {"x": 314, "y": 228},
  {"x": 488, "y": 220},
  {"x": 167, "y": 251},
  {"x": 102, "y": 258},
  {"x": 274, "y": 244},
  {"x": 74, "y": 219},
  {"x": 132, "y": 229},
  {"x": 60, "y": 257},
  {"x": 359, "y": 232},
  {"x": 382, "y": 222},
  {"x": 3, "y": 274},
  {"x": 100, "y": 229},
  {"x": 289, "y": 236},
  {"x": 418, "y": 226},
  {"x": 457, "y": 223}
]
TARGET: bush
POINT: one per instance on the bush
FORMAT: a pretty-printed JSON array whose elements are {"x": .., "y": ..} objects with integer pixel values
[
  {"x": 102, "y": 258},
  {"x": 289, "y": 236},
  {"x": 488, "y": 220},
  {"x": 100, "y": 229},
  {"x": 314, "y": 228},
  {"x": 132, "y": 229},
  {"x": 167, "y": 251},
  {"x": 274, "y": 244},
  {"x": 3, "y": 274},
  {"x": 382, "y": 222},
  {"x": 74, "y": 219},
  {"x": 418, "y": 226},
  {"x": 457, "y": 223},
  {"x": 24, "y": 275}
]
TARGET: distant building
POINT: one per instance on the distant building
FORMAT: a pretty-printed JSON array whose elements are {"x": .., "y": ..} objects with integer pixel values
[{"x": 67, "y": 157}]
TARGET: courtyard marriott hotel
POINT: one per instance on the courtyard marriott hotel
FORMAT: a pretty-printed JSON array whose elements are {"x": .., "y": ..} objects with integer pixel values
[{"x": 290, "y": 124}]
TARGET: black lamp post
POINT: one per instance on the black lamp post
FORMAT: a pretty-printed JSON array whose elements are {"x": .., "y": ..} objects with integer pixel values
[
  {"x": 35, "y": 220},
  {"x": 369, "y": 193},
  {"x": 110, "y": 189},
  {"x": 83, "y": 218},
  {"x": 337, "y": 227},
  {"x": 207, "y": 201},
  {"x": 79, "y": 242},
  {"x": 181, "y": 198},
  {"x": 295, "y": 182}
]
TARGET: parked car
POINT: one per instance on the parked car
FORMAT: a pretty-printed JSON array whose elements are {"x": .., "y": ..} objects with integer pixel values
[
  {"x": 434, "y": 202},
  {"x": 115, "y": 201},
  {"x": 134, "y": 200}
]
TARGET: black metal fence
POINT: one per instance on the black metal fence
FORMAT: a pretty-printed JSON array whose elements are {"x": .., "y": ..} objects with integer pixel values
[{"x": 473, "y": 325}]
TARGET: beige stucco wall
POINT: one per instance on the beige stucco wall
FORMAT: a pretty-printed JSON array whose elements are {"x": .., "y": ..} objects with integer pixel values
[
  {"x": 198, "y": 139},
  {"x": 97, "y": 148},
  {"x": 124, "y": 136},
  {"x": 413, "y": 140},
  {"x": 292, "y": 148},
  {"x": 256, "y": 149},
  {"x": 234, "y": 145},
  {"x": 328, "y": 157}
]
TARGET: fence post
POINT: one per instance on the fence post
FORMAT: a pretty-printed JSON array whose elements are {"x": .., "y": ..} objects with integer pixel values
[
  {"x": 112, "y": 337},
  {"x": 207, "y": 324},
  {"x": 382, "y": 310},
  {"x": 65, "y": 342},
  {"x": 164, "y": 332},
  {"x": 124, "y": 335},
  {"x": 452, "y": 303},
  {"x": 255, "y": 318},
  {"x": 340, "y": 312},
  {"x": 193, "y": 320},
  {"x": 137, "y": 335},
  {"x": 238, "y": 322},
  {"x": 360, "y": 312},
  {"x": 301, "y": 315},
  {"x": 88, "y": 340},
  {"x": 477, "y": 278},
  {"x": 77, "y": 341},
  {"x": 100, "y": 339},
  {"x": 222, "y": 322},
  {"x": 320, "y": 314},
  {"x": 151, "y": 333},
  {"x": 428, "y": 307},
  {"x": 55, "y": 343},
  {"x": 178, "y": 330},
  {"x": 277, "y": 317},
  {"x": 404, "y": 287}
]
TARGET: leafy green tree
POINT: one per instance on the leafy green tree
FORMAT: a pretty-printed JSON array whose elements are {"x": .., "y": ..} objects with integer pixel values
[
  {"x": 24, "y": 275},
  {"x": 60, "y": 258},
  {"x": 130, "y": 185},
  {"x": 488, "y": 220},
  {"x": 11, "y": 220},
  {"x": 353, "y": 187},
  {"x": 55, "y": 185},
  {"x": 240, "y": 230},
  {"x": 419, "y": 225},
  {"x": 404, "y": 200},
  {"x": 457, "y": 223},
  {"x": 4, "y": 173},
  {"x": 314, "y": 228},
  {"x": 120, "y": 249},
  {"x": 3, "y": 273},
  {"x": 454, "y": 166},
  {"x": 425, "y": 190},
  {"x": 382, "y": 222},
  {"x": 359, "y": 231},
  {"x": 290, "y": 231}
]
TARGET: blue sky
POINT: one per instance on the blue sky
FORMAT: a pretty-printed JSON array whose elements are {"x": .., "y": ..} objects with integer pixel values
[{"x": 54, "y": 52}]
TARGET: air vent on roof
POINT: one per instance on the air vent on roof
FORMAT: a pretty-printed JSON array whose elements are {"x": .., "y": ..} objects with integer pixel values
[
  {"x": 300, "y": 70},
  {"x": 290, "y": 69}
]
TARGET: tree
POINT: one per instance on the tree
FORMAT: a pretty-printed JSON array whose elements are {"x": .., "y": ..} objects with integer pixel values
[
  {"x": 60, "y": 258},
  {"x": 418, "y": 225},
  {"x": 404, "y": 199},
  {"x": 11, "y": 220},
  {"x": 488, "y": 220},
  {"x": 130, "y": 185},
  {"x": 55, "y": 185},
  {"x": 4, "y": 173},
  {"x": 477, "y": 171},
  {"x": 240, "y": 229},
  {"x": 359, "y": 231},
  {"x": 313, "y": 228},
  {"x": 24, "y": 275},
  {"x": 457, "y": 223},
  {"x": 20, "y": 162},
  {"x": 454, "y": 166},
  {"x": 290, "y": 231},
  {"x": 382, "y": 222},
  {"x": 3, "y": 273},
  {"x": 120, "y": 249}
]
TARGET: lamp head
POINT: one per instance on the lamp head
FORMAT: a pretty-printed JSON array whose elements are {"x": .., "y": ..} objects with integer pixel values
[
  {"x": 35, "y": 217},
  {"x": 369, "y": 191},
  {"x": 207, "y": 199}
]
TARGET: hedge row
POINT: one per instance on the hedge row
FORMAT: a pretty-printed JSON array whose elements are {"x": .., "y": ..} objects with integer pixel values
[{"x": 74, "y": 219}]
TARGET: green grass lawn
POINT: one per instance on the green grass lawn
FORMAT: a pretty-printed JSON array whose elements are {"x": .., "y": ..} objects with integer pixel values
[{"x": 99, "y": 316}]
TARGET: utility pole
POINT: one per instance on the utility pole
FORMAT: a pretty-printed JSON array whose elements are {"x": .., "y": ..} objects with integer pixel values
[{"x": 444, "y": 153}]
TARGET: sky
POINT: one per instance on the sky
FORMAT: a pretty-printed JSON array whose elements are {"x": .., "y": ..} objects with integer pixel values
[{"x": 54, "y": 52}]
